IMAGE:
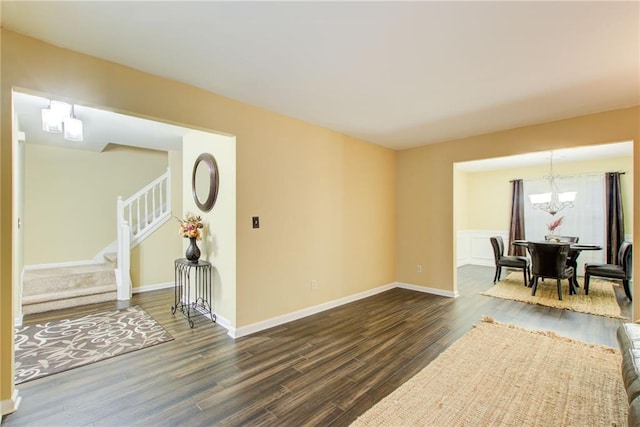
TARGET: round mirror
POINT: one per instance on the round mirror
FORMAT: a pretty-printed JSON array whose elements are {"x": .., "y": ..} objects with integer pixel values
[{"x": 204, "y": 182}]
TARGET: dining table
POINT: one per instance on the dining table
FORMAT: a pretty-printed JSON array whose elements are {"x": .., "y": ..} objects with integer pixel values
[{"x": 575, "y": 249}]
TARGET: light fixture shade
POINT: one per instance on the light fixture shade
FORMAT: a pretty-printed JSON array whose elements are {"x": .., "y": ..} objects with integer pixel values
[
  {"x": 540, "y": 198},
  {"x": 62, "y": 109},
  {"x": 567, "y": 196},
  {"x": 73, "y": 129},
  {"x": 51, "y": 121}
]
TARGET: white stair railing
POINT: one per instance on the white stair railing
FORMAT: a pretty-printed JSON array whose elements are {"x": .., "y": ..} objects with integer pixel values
[{"x": 138, "y": 217}]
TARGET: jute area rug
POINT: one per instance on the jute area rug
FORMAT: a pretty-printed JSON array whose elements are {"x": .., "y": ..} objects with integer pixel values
[
  {"x": 601, "y": 300},
  {"x": 53, "y": 347},
  {"x": 502, "y": 375}
]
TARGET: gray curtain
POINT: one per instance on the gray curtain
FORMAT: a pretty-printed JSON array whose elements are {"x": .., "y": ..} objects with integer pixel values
[
  {"x": 516, "y": 227},
  {"x": 614, "y": 216}
]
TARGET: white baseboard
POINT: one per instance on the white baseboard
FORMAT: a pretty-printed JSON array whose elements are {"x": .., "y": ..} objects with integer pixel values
[
  {"x": 220, "y": 320},
  {"x": 225, "y": 323},
  {"x": 10, "y": 405},
  {"x": 289, "y": 317},
  {"x": 434, "y": 291},
  {"x": 149, "y": 288}
]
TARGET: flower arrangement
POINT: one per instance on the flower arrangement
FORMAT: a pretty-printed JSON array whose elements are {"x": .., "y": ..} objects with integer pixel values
[
  {"x": 190, "y": 227},
  {"x": 555, "y": 224}
]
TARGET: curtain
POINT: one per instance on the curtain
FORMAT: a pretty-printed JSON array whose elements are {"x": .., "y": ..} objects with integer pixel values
[
  {"x": 615, "y": 216},
  {"x": 516, "y": 227},
  {"x": 586, "y": 219}
]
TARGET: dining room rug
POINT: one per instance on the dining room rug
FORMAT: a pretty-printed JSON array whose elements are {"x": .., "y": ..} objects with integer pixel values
[
  {"x": 601, "y": 300},
  {"x": 52, "y": 347},
  {"x": 503, "y": 375}
]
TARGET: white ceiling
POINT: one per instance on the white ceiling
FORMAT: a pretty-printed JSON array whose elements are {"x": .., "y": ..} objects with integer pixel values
[{"x": 398, "y": 74}]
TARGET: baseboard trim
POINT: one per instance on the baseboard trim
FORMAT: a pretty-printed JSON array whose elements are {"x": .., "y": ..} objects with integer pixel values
[
  {"x": 289, "y": 317},
  {"x": 434, "y": 291},
  {"x": 225, "y": 323},
  {"x": 10, "y": 405},
  {"x": 149, "y": 288}
]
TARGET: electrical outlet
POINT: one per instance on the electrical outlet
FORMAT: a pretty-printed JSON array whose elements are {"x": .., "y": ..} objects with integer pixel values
[
  {"x": 314, "y": 284},
  {"x": 418, "y": 268}
]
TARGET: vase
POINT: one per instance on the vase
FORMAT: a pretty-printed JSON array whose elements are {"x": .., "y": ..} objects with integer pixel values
[
  {"x": 193, "y": 252},
  {"x": 552, "y": 236}
]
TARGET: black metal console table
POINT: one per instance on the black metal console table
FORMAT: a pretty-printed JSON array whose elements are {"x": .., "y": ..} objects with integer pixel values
[{"x": 200, "y": 302}]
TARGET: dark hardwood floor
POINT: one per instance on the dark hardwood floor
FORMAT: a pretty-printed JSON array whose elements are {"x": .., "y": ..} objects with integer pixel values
[{"x": 323, "y": 370}]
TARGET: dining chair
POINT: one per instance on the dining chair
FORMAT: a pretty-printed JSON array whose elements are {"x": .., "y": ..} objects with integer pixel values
[
  {"x": 510, "y": 261},
  {"x": 549, "y": 260},
  {"x": 573, "y": 256},
  {"x": 620, "y": 271}
]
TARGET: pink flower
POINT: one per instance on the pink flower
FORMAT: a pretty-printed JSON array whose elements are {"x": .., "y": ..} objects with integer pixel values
[
  {"x": 190, "y": 227},
  {"x": 555, "y": 224}
]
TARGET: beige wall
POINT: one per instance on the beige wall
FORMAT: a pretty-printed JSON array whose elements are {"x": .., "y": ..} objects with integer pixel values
[
  {"x": 326, "y": 201},
  {"x": 71, "y": 195},
  {"x": 327, "y": 212},
  {"x": 426, "y": 228},
  {"x": 487, "y": 194},
  {"x": 461, "y": 200},
  {"x": 218, "y": 244}
]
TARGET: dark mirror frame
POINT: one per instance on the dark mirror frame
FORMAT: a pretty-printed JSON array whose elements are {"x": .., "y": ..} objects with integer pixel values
[{"x": 207, "y": 160}]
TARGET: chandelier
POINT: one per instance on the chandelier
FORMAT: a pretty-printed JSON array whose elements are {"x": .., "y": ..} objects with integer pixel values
[{"x": 553, "y": 201}]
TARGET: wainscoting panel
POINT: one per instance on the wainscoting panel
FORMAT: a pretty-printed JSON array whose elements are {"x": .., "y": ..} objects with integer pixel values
[{"x": 474, "y": 246}]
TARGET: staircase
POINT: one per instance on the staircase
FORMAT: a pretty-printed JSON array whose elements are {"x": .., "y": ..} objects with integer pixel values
[
  {"x": 139, "y": 216},
  {"x": 62, "y": 287}
]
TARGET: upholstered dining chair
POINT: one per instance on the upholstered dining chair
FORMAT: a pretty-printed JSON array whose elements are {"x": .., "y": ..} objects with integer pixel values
[
  {"x": 549, "y": 260},
  {"x": 502, "y": 260},
  {"x": 572, "y": 258},
  {"x": 620, "y": 271}
]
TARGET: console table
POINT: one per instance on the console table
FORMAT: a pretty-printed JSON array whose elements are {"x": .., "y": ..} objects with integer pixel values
[{"x": 192, "y": 297}]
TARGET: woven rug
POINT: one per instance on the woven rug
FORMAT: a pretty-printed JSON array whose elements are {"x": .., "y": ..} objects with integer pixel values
[
  {"x": 53, "y": 347},
  {"x": 502, "y": 375},
  {"x": 601, "y": 300}
]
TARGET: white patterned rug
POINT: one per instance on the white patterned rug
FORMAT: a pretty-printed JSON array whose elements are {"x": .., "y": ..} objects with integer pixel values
[{"x": 53, "y": 347}]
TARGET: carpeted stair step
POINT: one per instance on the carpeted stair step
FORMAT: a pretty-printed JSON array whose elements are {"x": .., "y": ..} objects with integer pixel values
[
  {"x": 68, "y": 302},
  {"x": 56, "y": 288}
]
